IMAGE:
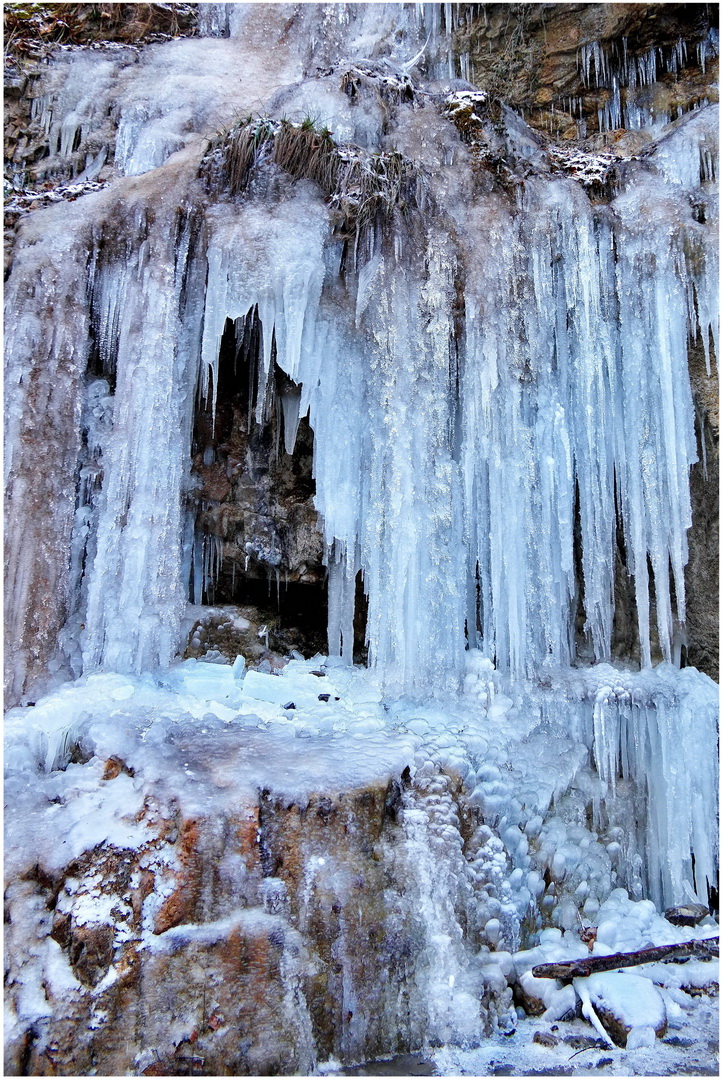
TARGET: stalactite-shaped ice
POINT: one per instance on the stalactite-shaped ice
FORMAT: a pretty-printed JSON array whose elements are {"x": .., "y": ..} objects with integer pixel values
[
  {"x": 538, "y": 408},
  {"x": 575, "y": 391},
  {"x": 639, "y": 725},
  {"x": 410, "y": 524},
  {"x": 272, "y": 259}
]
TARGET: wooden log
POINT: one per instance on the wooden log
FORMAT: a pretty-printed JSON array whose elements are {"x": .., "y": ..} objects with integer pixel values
[{"x": 578, "y": 969}]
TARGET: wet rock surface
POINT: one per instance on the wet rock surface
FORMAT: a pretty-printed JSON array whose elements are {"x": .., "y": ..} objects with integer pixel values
[
  {"x": 686, "y": 914},
  {"x": 223, "y": 944},
  {"x": 251, "y": 492},
  {"x": 533, "y": 61}
]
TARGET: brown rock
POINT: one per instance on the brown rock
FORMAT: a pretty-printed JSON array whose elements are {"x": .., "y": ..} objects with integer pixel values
[
  {"x": 114, "y": 766},
  {"x": 686, "y": 914},
  {"x": 181, "y": 904},
  {"x": 545, "y": 1039},
  {"x": 91, "y": 952}
]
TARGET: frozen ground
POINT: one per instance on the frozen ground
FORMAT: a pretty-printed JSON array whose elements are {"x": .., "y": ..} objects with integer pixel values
[{"x": 690, "y": 1048}]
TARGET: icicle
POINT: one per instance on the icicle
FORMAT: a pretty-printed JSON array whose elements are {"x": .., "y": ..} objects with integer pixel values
[
  {"x": 341, "y": 600},
  {"x": 290, "y": 404},
  {"x": 284, "y": 285},
  {"x": 136, "y": 594}
]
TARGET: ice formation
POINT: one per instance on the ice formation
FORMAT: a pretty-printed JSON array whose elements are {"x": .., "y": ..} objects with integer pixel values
[
  {"x": 446, "y": 908},
  {"x": 626, "y": 76},
  {"x": 496, "y": 378},
  {"x": 453, "y": 454},
  {"x": 568, "y": 391}
]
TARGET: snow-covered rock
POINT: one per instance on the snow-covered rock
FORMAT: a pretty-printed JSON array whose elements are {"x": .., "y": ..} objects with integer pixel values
[{"x": 629, "y": 1007}]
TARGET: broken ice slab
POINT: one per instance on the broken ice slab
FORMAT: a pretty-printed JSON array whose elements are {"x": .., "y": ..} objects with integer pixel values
[
  {"x": 300, "y": 688},
  {"x": 207, "y": 681}
]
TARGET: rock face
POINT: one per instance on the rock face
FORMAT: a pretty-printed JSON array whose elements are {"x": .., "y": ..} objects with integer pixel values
[
  {"x": 252, "y": 940},
  {"x": 531, "y": 59}
]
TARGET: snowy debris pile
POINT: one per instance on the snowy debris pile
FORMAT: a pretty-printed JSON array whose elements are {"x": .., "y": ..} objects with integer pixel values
[
  {"x": 21, "y": 202},
  {"x": 589, "y": 168},
  {"x": 230, "y": 635},
  {"x": 621, "y": 1005},
  {"x": 394, "y": 87},
  {"x": 467, "y": 106}
]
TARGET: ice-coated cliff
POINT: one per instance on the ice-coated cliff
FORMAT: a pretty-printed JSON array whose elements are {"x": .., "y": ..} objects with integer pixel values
[
  {"x": 306, "y": 215},
  {"x": 487, "y": 361}
]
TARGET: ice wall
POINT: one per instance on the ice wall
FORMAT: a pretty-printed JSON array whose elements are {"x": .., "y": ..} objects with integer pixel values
[
  {"x": 45, "y": 359},
  {"x": 480, "y": 378}
]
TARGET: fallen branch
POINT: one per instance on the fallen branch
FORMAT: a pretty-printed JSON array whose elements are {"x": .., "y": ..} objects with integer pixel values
[{"x": 579, "y": 969}]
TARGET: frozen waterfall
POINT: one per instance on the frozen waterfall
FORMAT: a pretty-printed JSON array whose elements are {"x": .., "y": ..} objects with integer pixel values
[
  {"x": 496, "y": 376},
  {"x": 359, "y": 426},
  {"x": 482, "y": 378}
]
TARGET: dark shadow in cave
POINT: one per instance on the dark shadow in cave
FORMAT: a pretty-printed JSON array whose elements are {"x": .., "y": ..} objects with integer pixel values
[{"x": 253, "y": 503}]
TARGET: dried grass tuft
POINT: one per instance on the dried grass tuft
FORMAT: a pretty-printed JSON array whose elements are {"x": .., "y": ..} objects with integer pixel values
[{"x": 358, "y": 185}]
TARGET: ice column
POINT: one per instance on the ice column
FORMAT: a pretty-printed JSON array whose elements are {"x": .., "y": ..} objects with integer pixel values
[
  {"x": 44, "y": 364},
  {"x": 386, "y": 476},
  {"x": 136, "y": 594},
  {"x": 643, "y": 725},
  {"x": 517, "y": 451},
  {"x": 575, "y": 392},
  {"x": 666, "y": 274}
]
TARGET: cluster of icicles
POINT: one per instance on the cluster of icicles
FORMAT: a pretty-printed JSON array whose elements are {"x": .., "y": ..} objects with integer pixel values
[
  {"x": 454, "y": 457},
  {"x": 449, "y": 470},
  {"x": 630, "y": 73}
]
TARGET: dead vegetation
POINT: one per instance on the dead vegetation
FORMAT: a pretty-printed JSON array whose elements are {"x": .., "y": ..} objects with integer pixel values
[
  {"x": 31, "y": 28},
  {"x": 358, "y": 185}
]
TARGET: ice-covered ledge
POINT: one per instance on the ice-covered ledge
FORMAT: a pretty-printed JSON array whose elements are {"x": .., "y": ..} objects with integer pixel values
[{"x": 302, "y": 833}]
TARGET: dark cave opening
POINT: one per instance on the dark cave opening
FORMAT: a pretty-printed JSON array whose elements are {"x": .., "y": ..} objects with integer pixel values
[{"x": 257, "y": 538}]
